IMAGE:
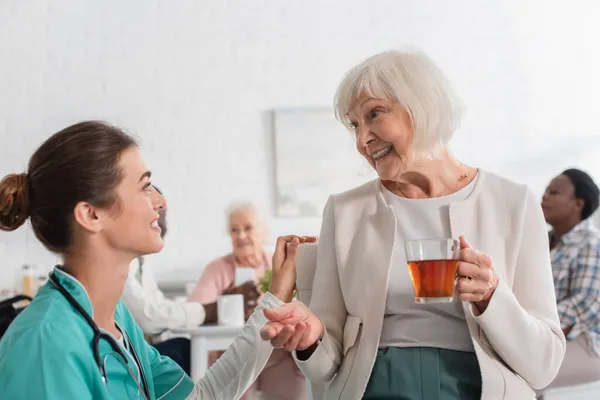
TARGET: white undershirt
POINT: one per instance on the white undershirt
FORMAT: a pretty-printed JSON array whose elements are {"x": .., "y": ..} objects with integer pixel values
[
  {"x": 407, "y": 324},
  {"x": 120, "y": 338}
]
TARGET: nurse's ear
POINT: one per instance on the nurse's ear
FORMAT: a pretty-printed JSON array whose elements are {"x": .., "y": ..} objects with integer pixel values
[{"x": 87, "y": 217}]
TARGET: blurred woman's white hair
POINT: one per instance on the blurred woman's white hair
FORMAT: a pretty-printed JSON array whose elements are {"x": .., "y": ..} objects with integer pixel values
[
  {"x": 245, "y": 206},
  {"x": 412, "y": 79}
]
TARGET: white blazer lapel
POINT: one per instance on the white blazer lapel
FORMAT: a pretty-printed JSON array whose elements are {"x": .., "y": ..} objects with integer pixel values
[{"x": 370, "y": 255}]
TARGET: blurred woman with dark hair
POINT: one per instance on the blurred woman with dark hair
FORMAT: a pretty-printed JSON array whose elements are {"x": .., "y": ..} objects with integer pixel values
[{"x": 568, "y": 203}]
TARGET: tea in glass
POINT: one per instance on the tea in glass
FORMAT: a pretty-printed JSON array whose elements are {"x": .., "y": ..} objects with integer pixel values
[{"x": 432, "y": 265}]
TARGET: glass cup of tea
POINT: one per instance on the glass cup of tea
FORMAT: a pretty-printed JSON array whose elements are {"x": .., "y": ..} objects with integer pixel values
[{"x": 432, "y": 265}]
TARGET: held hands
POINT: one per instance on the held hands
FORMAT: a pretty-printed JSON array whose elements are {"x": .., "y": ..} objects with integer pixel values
[
  {"x": 477, "y": 280},
  {"x": 283, "y": 279},
  {"x": 292, "y": 327}
]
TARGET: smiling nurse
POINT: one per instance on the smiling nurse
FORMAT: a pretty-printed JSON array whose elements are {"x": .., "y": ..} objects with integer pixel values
[{"x": 89, "y": 197}]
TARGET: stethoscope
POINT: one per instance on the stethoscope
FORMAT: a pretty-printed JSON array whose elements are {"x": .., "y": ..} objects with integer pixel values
[{"x": 99, "y": 335}]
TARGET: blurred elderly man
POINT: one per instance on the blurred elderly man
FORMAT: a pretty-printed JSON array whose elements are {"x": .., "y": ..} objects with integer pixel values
[
  {"x": 155, "y": 314},
  {"x": 280, "y": 379}
]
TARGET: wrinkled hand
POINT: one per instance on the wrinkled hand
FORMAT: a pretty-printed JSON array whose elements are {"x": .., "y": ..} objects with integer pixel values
[
  {"x": 283, "y": 279},
  {"x": 250, "y": 293},
  {"x": 292, "y": 327},
  {"x": 477, "y": 280}
]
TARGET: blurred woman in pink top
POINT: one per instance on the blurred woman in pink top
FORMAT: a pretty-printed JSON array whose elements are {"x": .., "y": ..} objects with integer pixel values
[{"x": 280, "y": 378}]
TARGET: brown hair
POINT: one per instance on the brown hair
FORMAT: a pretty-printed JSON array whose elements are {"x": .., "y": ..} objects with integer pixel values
[{"x": 79, "y": 163}]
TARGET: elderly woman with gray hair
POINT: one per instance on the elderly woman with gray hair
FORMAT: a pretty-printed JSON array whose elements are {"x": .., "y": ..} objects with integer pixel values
[
  {"x": 364, "y": 334},
  {"x": 280, "y": 379}
]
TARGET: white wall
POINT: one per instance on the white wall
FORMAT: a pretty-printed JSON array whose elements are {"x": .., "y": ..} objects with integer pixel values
[{"x": 196, "y": 79}]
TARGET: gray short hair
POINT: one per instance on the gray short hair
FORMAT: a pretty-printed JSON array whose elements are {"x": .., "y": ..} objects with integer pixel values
[
  {"x": 244, "y": 206},
  {"x": 412, "y": 79}
]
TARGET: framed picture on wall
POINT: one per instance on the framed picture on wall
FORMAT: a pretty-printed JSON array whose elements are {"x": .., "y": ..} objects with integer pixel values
[{"x": 315, "y": 156}]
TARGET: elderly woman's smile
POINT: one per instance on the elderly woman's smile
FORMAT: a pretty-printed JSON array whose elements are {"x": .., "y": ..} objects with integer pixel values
[{"x": 379, "y": 154}]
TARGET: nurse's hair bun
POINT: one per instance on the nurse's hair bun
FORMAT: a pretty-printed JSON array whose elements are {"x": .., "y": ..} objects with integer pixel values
[{"x": 14, "y": 201}]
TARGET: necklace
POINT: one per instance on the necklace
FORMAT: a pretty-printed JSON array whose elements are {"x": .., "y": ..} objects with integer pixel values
[{"x": 461, "y": 178}]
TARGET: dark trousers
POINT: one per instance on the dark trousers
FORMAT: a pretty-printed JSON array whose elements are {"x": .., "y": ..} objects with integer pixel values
[
  {"x": 177, "y": 349},
  {"x": 424, "y": 373}
]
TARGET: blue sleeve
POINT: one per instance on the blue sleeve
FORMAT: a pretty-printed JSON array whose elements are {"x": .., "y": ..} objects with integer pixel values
[
  {"x": 170, "y": 381},
  {"x": 38, "y": 364}
]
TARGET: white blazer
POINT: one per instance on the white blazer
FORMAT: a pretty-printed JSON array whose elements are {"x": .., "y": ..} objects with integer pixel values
[{"x": 518, "y": 340}]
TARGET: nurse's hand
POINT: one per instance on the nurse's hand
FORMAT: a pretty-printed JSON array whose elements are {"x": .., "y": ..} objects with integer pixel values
[
  {"x": 283, "y": 279},
  {"x": 292, "y": 327},
  {"x": 477, "y": 279}
]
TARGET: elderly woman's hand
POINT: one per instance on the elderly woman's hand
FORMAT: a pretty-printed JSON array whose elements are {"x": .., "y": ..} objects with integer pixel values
[
  {"x": 292, "y": 327},
  {"x": 477, "y": 279},
  {"x": 283, "y": 279}
]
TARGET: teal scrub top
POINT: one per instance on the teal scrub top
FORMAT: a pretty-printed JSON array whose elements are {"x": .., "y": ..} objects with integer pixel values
[{"x": 46, "y": 353}]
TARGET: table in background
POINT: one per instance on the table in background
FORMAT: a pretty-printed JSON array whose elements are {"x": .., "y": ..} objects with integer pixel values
[{"x": 204, "y": 339}]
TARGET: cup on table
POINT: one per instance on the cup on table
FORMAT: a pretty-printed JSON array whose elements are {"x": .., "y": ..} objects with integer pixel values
[
  {"x": 244, "y": 274},
  {"x": 432, "y": 265},
  {"x": 230, "y": 310}
]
